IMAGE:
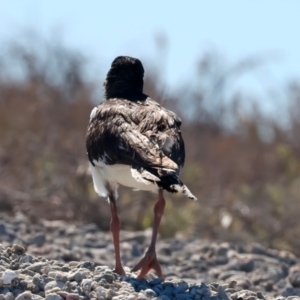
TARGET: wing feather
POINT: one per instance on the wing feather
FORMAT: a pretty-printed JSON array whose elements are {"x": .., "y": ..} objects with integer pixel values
[{"x": 137, "y": 134}]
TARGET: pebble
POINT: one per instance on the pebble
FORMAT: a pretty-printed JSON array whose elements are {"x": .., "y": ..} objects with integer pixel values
[
  {"x": 53, "y": 296},
  {"x": 24, "y": 296},
  {"x": 26, "y": 259},
  {"x": 8, "y": 276},
  {"x": 53, "y": 284},
  {"x": 57, "y": 261}
]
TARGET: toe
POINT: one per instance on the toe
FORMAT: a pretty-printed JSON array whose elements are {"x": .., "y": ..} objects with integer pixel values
[
  {"x": 146, "y": 264},
  {"x": 140, "y": 264},
  {"x": 156, "y": 267}
]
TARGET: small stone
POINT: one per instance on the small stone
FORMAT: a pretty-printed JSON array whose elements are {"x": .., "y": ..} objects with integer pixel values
[
  {"x": 78, "y": 276},
  {"x": 214, "y": 286},
  {"x": 8, "y": 250},
  {"x": 14, "y": 256},
  {"x": 74, "y": 286},
  {"x": 259, "y": 295},
  {"x": 5, "y": 290},
  {"x": 63, "y": 294},
  {"x": 244, "y": 294},
  {"x": 33, "y": 288},
  {"x": 38, "y": 281},
  {"x": 46, "y": 270},
  {"x": 289, "y": 291},
  {"x": 18, "y": 249},
  {"x": 155, "y": 281},
  {"x": 9, "y": 296},
  {"x": 203, "y": 290},
  {"x": 14, "y": 265},
  {"x": 294, "y": 276},
  {"x": 109, "y": 277},
  {"x": 72, "y": 296},
  {"x": 54, "y": 290},
  {"x": 24, "y": 296},
  {"x": 65, "y": 268},
  {"x": 38, "y": 240},
  {"x": 37, "y": 297},
  {"x": 87, "y": 265},
  {"x": 67, "y": 286},
  {"x": 168, "y": 291},
  {"x": 269, "y": 287},
  {"x": 23, "y": 284},
  {"x": 183, "y": 297},
  {"x": 26, "y": 259},
  {"x": 164, "y": 297},
  {"x": 3, "y": 229},
  {"x": 247, "y": 266},
  {"x": 53, "y": 296},
  {"x": 15, "y": 282},
  {"x": 16, "y": 292},
  {"x": 182, "y": 287},
  {"x": 73, "y": 263},
  {"x": 222, "y": 294},
  {"x": 8, "y": 275},
  {"x": 135, "y": 251},
  {"x": 59, "y": 276},
  {"x": 141, "y": 297},
  {"x": 36, "y": 267},
  {"x": 232, "y": 284},
  {"x": 150, "y": 293},
  {"x": 214, "y": 297},
  {"x": 86, "y": 285},
  {"x": 230, "y": 291},
  {"x": 110, "y": 294},
  {"x": 157, "y": 290},
  {"x": 120, "y": 297},
  {"x": 141, "y": 287},
  {"x": 53, "y": 284}
]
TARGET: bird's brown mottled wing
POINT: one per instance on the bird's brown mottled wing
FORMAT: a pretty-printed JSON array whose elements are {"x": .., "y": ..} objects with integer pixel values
[{"x": 137, "y": 134}]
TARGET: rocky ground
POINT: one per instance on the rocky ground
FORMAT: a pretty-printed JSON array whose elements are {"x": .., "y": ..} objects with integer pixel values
[{"x": 56, "y": 261}]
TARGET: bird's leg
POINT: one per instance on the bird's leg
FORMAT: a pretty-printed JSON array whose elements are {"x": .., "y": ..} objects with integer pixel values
[
  {"x": 115, "y": 227},
  {"x": 149, "y": 261}
]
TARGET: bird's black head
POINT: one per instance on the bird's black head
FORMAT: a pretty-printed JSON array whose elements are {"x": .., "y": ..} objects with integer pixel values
[{"x": 125, "y": 79}]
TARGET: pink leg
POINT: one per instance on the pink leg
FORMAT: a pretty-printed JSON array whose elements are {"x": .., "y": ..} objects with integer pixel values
[
  {"x": 149, "y": 261},
  {"x": 115, "y": 227}
]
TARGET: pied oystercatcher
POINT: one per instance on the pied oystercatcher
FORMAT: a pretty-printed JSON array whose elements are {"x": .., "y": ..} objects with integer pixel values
[{"x": 133, "y": 141}]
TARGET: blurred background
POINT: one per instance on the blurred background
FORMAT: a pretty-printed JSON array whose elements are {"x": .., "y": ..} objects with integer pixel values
[{"x": 230, "y": 69}]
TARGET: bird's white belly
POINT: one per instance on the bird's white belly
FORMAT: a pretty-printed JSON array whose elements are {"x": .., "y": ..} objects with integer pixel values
[{"x": 117, "y": 174}]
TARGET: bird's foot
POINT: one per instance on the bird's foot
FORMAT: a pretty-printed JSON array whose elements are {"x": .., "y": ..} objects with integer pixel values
[
  {"x": 148, "y": 262},
  {"x": 119, "y": 270}
]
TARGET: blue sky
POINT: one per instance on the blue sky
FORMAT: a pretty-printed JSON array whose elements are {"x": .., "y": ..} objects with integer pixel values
[{"x": 103, "y": 30}]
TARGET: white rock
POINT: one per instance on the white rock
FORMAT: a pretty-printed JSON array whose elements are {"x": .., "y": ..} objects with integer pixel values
[{"x": 8, "y": 275}]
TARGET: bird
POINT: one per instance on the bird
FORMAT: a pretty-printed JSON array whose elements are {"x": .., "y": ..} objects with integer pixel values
[{"x": 134, "y": 141}]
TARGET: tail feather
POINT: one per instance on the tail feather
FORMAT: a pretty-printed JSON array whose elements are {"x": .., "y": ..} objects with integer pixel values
[
  {"x": 167, "y": 180},
  {"x": 183, "y": 189}
]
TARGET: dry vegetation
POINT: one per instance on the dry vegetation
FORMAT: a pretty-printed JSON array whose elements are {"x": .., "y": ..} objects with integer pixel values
[{"x": 248, "y": 186}]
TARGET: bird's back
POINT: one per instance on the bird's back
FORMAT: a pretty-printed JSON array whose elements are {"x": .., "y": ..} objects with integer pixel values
[
  {"x": 138, "y": 133},
  {"x": 129, "y": 134}
]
